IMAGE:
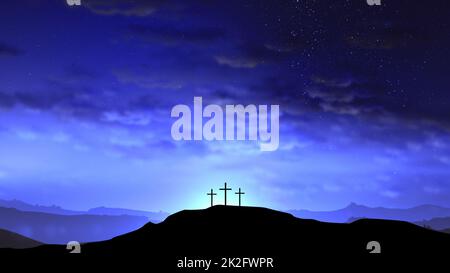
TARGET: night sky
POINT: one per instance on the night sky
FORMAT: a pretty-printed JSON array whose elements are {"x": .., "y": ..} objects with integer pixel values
[{"x": 86, "y": 94}]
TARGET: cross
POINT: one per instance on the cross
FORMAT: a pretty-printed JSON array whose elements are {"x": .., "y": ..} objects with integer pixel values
[
  {"x": 225, "y": 189},
  {"x": 239, "y": 193},
  {"x": 212, "y": 196}
]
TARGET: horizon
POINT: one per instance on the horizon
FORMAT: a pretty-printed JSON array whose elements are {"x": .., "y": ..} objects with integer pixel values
[{"x": 215, "y": 204}]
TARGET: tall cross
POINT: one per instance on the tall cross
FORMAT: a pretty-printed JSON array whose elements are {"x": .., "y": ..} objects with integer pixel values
[
  {"x": 212, "y": 196},
  {"x": 239, "y": 193},
  {"x": 225, "y": 189}
]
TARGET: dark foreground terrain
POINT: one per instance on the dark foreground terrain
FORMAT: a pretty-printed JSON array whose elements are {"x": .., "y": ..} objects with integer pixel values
[
  {"x": 10, "y": 239},
  {"x": 220, "y": 233}
]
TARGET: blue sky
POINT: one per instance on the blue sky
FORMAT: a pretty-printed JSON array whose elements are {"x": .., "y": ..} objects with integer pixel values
[{"x": 86, "y": 94}]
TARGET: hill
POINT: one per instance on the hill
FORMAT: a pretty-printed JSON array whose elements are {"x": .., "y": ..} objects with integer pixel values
[
  {"x": 10, "y": 239},
  {"x": 244, "y": 232}
]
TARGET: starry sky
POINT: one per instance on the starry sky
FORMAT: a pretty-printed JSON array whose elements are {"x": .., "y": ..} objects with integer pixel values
[{"x": 86, "y": 93}]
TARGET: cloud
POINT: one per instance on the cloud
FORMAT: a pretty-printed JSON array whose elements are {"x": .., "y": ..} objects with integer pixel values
[
  {"x": 331, "y": 188},
  {"x": 175, "y": 35},
  {"x": 81, "y": 148},
  {"x": 390, "y": 194},
  {"x": 26, "y": 135},
  {"x": 346, "y": 95},
  {"x": 444, "y": 159},
  {"x": 76, "y": 71},
  {"x": 250, "y": 55},
  {"x": 127, "y": 118},
  {"x": 6, "y": 100},
  {"x": 126, "y": 141},
  {"x": 432, "y": 190},
  {"x": 340, "y": 108},
  {"x": 8, "y": 50},
  {"x": 279, "y": 47},
  {"x": 61, "y": 137},
  {"x": 333, "y": 82},
  {"x": 40, "y": 100},
  {"x": 138, "y": 8},
  {"x": 235, "y": 62},
  {"x": 148, "y": 80}
]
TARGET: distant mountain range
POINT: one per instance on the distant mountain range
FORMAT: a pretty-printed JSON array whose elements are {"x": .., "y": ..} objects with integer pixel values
[
  {"x": 355, "y": 211},
  {"x": 53, "y": 224},
  {"x": 440, "y": 223},
  {"x": 352, "y": 212},
  {"x": 154, "y": 217},
  {"x": 10, "y": 239},
  {"x": 20, "y": 205},
  {"x": 60, "y": 229}
]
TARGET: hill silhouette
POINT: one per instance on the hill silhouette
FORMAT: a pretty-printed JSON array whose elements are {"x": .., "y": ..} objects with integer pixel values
[
  {"x": 257, "y": 232},
  {"x": 10, "y": 239}
]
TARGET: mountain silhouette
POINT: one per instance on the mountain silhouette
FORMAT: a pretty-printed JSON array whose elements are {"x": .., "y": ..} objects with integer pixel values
[
  {"x": 228, "y": 231},
  {"x": 439, "y": 223},
  {"x": 355, "y": 211},
  {"x": 59, "y": 229},
  {"x": 23, "y": 206},
  {"x": 155, "y": 217},
  {"x": 10, "y": 239}
]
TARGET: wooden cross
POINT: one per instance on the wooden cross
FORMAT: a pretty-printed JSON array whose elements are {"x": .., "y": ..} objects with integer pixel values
[
  {"x": 239, "y": 193},
  {"x": 212, "y": 193},
  {"x": 225, "y": 189}
]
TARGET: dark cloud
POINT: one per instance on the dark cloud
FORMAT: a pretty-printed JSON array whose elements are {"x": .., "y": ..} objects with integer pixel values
[
  {"x": 348, "y": 95},
  {"x": 37, "y": 100},
  {"x": 175, "y": 35},
  {"x": 8, "y": 50},
  {"x": 252, "y": 54},
  {"x": 389, "y": 38},
  {"x": 149, "y": 102},
  {"x": 6, "y": 101},
  {"x": 69, "y": 102},
  {"x": 123, "y": 7},
  {"x": 371, "y": 97},
  {"x": 76, "y": 71}
]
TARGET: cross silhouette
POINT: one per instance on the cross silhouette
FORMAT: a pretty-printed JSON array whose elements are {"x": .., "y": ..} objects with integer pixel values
[
  {"x": 239, "y": 193},
  {"x": 225, "y": 189},
  {"x": 212, "y": 193}
]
